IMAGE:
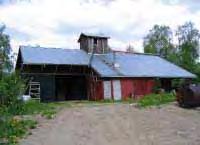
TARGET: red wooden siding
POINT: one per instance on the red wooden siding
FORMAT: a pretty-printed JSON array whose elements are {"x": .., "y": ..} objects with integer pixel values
[
  {"x": 95, "y": 90},
  {"x": 99, "y": 90},
  {"x": 136, "y": 87},
  {"x": 127, "y": 88}
]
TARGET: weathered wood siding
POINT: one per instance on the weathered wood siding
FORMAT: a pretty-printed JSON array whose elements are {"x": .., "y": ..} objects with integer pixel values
[
  {"x": 88, "y": 44},
  {"x": 95, "y": 89},
  {"x": 117, "y": 95},
  {"x": 107, "y": 89},
  {"x": 136, "y": 87}
]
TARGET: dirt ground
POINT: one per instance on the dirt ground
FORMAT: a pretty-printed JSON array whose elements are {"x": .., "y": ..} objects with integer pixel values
[{"x": 119, "y": 124}]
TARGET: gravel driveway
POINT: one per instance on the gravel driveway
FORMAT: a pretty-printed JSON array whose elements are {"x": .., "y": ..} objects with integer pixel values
[{"x": 119, "y": 124}]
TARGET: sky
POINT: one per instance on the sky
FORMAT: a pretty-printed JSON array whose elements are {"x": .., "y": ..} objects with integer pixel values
[{"x": 58, "y": 23}]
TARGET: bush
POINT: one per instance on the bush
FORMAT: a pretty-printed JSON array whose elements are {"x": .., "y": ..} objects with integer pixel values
[
  {"x": 156, "y": 99},
  {"x": 11, "y": 88},
  {"x": 12, "y": 129}
]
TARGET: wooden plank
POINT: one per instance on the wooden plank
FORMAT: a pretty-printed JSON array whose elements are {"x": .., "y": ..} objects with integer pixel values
[
  {"x": 117, "y": 90},
  {"x": 107, "y": 89}
]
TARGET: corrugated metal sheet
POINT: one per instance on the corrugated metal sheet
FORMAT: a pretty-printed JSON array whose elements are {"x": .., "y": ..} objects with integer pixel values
[
  {"x": 137, "y": 65},
  {"x": 130, "y": 65},
  {"x": 99, "y": 35},
  {"x": 101, "y": 67},
  {"x": 41, "y": 55}
]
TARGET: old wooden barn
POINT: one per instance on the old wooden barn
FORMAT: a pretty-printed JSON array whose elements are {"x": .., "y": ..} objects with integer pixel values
[{"x": 93, "y": 72}]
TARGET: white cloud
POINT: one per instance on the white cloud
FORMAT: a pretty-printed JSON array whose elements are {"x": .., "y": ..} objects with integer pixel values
[{"x": 132, "y": 19}]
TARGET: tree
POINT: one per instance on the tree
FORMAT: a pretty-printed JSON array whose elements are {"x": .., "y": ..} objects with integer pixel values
[
  {"x": 159, "y": 41},
  {"x": 5, "y": 50},
  {"x": 11, "y": 84},
  {"x": 130, "y": 49},
  {"x": 188, "y": 45}
]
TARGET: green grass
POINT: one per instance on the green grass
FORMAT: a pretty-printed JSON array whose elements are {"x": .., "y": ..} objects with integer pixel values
[
  {"x": 12, "y": 129},
  {"x": 34, "y": 107},
  {"x": 156, "y": 99},
  {"x": 31, "y": 107}
]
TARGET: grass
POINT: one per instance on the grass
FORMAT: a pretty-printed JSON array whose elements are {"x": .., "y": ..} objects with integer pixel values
[
  {"x": 47, "y": 110},
  {"x": 12, "y": 129},
  {"x": 13, "y": 126},
  {"x": 31, "y": 107},
  {"x": 156, "y": 99}
]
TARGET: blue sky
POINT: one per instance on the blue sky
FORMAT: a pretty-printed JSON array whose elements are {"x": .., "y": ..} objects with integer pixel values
[{"x": 58, "y": 23}]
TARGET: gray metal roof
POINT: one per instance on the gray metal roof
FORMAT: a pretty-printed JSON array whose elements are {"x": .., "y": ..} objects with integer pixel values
[
  {"x": 102, "y": 68},
  {"x": 130, "y": 65},
  {"x": 100, "y": 35},
  {"x": 41, "y": 55},
  {"x": 138, "y": 65}
]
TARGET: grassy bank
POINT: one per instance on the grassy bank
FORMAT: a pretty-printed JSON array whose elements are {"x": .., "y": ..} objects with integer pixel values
[
  {"x": 14, "y": 124},
  {"x": 156, "y": 99},
  {"x": 14, "y": 128}
]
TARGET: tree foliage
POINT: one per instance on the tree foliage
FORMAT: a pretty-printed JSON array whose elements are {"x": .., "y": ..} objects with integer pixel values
[
  {"x": 5, "y": 50},
  {"x": 11, "y": 85},
  {"x": 188, "y": 45},
  {"x": 158, "y": 41},
  {"x": 185, "y": 53}
]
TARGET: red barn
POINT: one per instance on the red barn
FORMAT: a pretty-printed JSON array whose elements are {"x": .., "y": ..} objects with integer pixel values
[{"x": 93, "y": 72}]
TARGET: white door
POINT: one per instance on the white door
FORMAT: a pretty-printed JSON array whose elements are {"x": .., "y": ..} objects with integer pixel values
[
  {"x": 107, "y": 89},
  {"x": 117, "y": 90}
]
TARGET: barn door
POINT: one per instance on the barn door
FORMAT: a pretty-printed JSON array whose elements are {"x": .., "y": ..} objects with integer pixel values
[
  {"x": 117, "y": 90},
  {"x": 107, "y": 89}
]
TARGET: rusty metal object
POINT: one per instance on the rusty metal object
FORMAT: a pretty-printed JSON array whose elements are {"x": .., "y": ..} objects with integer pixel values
[{"x": 188, "y": 95}]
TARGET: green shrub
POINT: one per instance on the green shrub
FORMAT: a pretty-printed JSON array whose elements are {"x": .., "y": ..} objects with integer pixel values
[
  {"x": 12, "y": 129},
  {"x": 11, "y": 89},
  {"x": 156, "y": 99}
]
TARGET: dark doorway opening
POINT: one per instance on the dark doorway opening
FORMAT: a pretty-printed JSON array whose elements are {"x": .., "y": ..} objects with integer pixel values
[
  {"x": 71, "y": 88},
  {"x": 166, "y": 84}
]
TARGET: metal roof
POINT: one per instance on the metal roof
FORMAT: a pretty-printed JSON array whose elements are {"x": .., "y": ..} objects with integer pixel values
[
  {"x": 101, "y": 67},
  {"x": 138, "y": 65},
  {"x": 129, "y": 64},
  {"x": 99, "y": 35},
  {"x": 41, "y": 55}
]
